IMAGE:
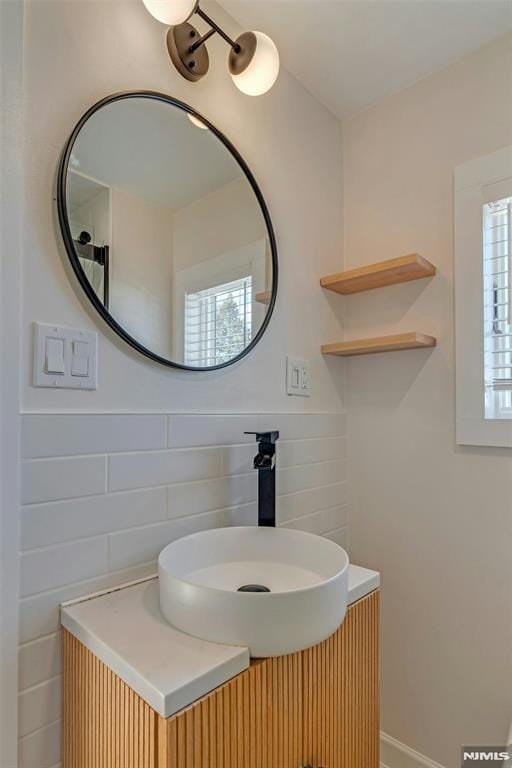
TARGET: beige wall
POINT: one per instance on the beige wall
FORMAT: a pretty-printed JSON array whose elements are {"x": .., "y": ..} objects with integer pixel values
[{"x": 436, "y": 519}]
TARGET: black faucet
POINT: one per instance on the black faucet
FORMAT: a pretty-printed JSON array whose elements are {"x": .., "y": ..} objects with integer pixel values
[{"x": 265, "y": 463}]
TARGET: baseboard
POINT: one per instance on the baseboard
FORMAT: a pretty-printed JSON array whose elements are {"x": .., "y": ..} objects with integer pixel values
[{"x": 394, "y": 754}]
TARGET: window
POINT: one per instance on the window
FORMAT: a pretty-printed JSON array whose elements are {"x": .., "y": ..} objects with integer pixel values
[
  {"x": 498, "y": 308},
  {"x": 218, "y": 322},
  {"x": 483, "y": 300}
]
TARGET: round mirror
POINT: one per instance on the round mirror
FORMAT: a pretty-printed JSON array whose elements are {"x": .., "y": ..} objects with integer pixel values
[{"x": 167, "y": 231}]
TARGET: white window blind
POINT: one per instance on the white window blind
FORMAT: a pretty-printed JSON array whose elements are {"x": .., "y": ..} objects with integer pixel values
[
  {"x": 218, "y": 322},
  {"x": 497, "y": 256}
]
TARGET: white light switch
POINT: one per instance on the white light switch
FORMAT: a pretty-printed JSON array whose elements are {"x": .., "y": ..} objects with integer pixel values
[
  {"x": 298, "y": 377},
  {"x": 55, "y": 356},
  {"x": 64, "y": 357},
  {"x": 80, "y": 361}
]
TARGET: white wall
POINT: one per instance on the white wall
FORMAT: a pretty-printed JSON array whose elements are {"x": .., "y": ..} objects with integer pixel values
[
  {"x": 435, "y": 518},
  {"x": 104, "y": 490},
  {"x": 11, "y": 223},
  {"x": 142, "y": 270},
  {"x": 225, "y": 220},
  {"x": 293, "y": 146}
]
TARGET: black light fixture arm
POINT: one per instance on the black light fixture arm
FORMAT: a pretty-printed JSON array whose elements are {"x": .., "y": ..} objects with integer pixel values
[
  {"x": 214, "y": 28},
  {"x": 201, "y": 40}
]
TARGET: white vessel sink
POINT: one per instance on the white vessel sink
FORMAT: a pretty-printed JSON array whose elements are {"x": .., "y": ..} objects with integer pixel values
[{"x": 307, "y": 575}]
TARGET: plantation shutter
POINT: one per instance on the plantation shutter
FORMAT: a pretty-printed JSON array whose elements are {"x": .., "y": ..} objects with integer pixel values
[
  {"x": 218, "y": 323},
  {"x": 497, "y": 255}
]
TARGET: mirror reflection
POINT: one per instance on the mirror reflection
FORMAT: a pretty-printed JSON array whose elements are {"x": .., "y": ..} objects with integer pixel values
[{"x": 168, "y": 232}]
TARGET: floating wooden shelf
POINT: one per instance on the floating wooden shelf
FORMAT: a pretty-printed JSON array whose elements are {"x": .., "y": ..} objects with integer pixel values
[
  {"x": 380, "y": 344},
  {"x": 401, "y": 270},
  {"x": 263, "y": 297}
]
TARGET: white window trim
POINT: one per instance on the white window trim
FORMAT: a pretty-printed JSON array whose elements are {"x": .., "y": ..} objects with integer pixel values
[
  {"x": 205, "y": 340},
  {"x": 475, "y": 182}
]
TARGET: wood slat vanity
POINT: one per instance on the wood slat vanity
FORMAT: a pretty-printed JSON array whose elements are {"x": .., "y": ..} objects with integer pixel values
[{"x": 318, "y": 707}]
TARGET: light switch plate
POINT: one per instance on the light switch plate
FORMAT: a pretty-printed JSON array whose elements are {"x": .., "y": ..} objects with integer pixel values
[
  {"x": 298, "y": 377},
  {"x": 73, "y": 339}
]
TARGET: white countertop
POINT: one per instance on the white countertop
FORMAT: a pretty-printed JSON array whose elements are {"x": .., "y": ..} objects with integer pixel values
[{"x": 165, "y": 667}]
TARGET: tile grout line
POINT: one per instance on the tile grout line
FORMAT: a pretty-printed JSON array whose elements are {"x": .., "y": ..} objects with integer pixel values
[
  {"x": 42, "y": 728},
  {"x": 144, "y": 488},
  {"x": 166, "y": 448},
  {"x": 39, "y": 639},
  {"x": 146, "y": 563},
  {"x": 34, "y": 687},
  {"x": 241, "y": 505}
]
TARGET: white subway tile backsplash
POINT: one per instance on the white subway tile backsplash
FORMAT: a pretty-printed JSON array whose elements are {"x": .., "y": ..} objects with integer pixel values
[
  {"x": 192, "y": 498},
  {"x": 103, "y": 494},
  {"x": 128, "y": 548},
  {"x": 52, "y": 567},
  {"x": 285, "y": 507},
  {"x": 339, "y": 536},
  {"x": 334, "y": 471},
  {"x": 308, "y": 523},
  {"x": 246, "y": 514},
  {"x": 41, "y": 749},
  {"x": 52, "y": 523},
  {"x": 39, "y": 706},
  {"x": 151, "y": 468},
  {"x": 219, "y": 429},
  {"x": 44, "y": 435},
  {"x": 240, "y": 489},
  {"x": 294, "y": 426},
  {"x": 51, "y": 479},
  {"x": 238, "y": 459},
  {"x": 38, "y": 661},
  {"x": 334, "y": 518},
  {"x": 293, "y": 479},
  {"x": 317, "y": 499},
  {"x": 39, "y": 614},
  {"x": 291, "y": 453},
  {"x": 207, "y": 495}
]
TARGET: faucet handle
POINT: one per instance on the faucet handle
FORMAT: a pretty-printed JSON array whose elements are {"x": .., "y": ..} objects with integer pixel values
[{"x": 265, "y": 437}]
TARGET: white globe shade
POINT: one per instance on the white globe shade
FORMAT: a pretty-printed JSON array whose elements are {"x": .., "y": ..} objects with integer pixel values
[
  {"x": 197, "y": 122},
  {"x": 261, "y": 73},
  {"x": 171, "y": 12}
]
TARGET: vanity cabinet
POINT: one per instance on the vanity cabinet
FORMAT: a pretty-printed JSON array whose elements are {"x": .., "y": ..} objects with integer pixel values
[{"x": 318, "y": 707}]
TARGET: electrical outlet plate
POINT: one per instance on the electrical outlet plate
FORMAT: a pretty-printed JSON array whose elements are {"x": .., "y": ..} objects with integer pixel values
[
  {"x": 76, "y": 353},
  {"x": 298, "y": 377}
]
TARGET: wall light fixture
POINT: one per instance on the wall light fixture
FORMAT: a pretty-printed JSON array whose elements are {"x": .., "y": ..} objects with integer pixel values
[{"x": 253, "y": 57}]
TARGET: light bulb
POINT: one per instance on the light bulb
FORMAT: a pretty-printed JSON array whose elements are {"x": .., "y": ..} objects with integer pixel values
[
  {"x": 197, "y": 122},
  {"x": 171, "y": 12},
  {"x": 262, "y": 70}
]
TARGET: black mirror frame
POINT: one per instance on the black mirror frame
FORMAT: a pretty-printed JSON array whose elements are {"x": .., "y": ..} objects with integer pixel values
[{"x": 68, "y": 240}]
